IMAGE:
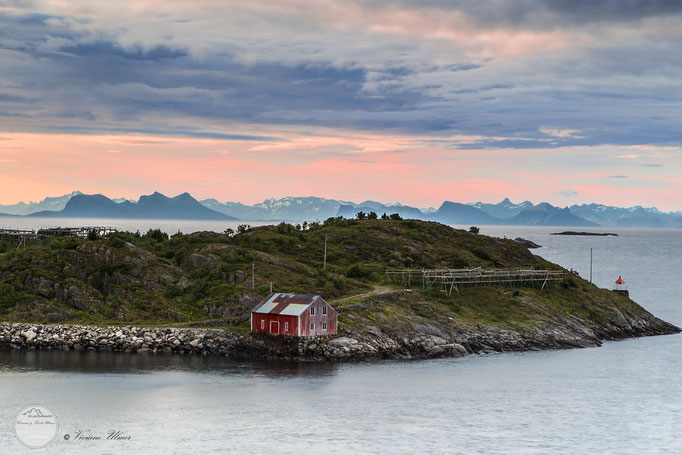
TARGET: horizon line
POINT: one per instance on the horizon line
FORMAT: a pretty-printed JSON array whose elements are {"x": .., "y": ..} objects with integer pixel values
[{"x": 387, "y": 204}]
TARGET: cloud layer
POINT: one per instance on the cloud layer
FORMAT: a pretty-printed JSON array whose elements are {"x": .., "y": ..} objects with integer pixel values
[{"x": 454, "y": 76}]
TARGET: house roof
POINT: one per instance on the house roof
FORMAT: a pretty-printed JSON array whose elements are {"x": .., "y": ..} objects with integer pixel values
[{"x": 287, "y": 304}]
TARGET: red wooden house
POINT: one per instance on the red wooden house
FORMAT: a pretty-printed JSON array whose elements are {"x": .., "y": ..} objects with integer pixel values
[{"x": 294, "y": 315}]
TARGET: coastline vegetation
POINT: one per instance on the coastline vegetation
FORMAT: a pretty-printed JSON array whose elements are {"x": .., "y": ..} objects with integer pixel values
[{"x": 157, "y": 279}]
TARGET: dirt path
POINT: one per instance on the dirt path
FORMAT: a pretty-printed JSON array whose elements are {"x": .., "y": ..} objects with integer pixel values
[{"x": 376, "y": 291}]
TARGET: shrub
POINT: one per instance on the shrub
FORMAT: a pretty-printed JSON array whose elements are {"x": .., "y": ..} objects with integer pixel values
[
  {"x": 569, "y": 282},
  {"x": 285, "y": 228},
  {"x": 358, "y": 271},
  {"x": 458, "y": 262},
  {"x": 474, "y": 230},
  {"x": 339, "y": 283},
  {"x": 116, "y": 241},
  {"x": 481, "y": 253},
  {"x": 172, "y": 290},
  {"x": 7, "y": 295},
  {"x": 157, "y": 235}
]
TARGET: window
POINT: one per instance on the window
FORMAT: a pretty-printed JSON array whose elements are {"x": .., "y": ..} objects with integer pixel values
[
  {"x": 262, "y": 323},
  {"x": 312, "y": 326},
  {"x": 286, "y": 326},
  {"x": 324, "y": 326},
  {"x": 312, "y": 311},
  {"x": 324, "y": 310}
]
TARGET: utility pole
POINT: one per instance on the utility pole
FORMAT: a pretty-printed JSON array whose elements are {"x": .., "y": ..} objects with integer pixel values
[
  {"x": 271, "y": 287},
  {"x": 324, "y": 265},
  {"x": 253, "y": 276},
  {"x": 590, "y": 265}
]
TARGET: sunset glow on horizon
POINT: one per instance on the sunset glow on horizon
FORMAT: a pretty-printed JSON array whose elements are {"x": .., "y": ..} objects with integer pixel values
[{"x": 390, "y": 101}]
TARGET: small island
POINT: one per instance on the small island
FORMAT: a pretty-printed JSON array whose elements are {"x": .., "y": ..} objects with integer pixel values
[
  {"x": 597, "y": 234},
  {"x": 402, "y": 289}
]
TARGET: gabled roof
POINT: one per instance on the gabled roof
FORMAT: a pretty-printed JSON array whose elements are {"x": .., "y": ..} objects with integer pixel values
[{"x": 287, "y": 304}]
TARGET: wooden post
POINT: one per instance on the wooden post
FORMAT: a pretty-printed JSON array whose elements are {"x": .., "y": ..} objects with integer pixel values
[
  {"x": 271, "y": 287},
  {"x": 590, "y": 265},
  {"x": 253, "y": 276},
  {"x": 324, "y": 264}
]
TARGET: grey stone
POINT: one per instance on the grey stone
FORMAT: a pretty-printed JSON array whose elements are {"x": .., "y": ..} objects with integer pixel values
[
  {"x": 183, "y": 283},
  {"x": 199, "y": 261},
  {"x": 239, "y": 277}
]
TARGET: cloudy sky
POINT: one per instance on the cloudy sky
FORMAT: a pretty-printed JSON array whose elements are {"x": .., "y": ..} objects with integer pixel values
[{"x": 417, "y": 101}]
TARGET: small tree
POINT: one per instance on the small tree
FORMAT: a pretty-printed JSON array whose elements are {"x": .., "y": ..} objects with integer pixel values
[
  {"x": 372, "y": 216},
  {"x": 395, "y": 216},
  {"x": 305, "y": 225},
  {"x": 157, "y": 235},
  {"x": 361, "y": 216},
  {"x": 384, "y": 216},
  {"x": 242, "y": 228},
  {"x": 474, "y": 230},
  {"x": 229, "y": 232}
]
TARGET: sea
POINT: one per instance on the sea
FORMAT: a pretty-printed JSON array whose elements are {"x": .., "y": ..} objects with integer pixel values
[{"x": 624, "y": 397}]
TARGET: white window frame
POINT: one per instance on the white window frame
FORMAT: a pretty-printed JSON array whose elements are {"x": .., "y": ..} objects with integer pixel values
[
  {"x": 324, "y": 326},
  {"x": 312, "y": 311},
  {"x": 324, "y": 310},
  {"x": 312, "y": 326},
  {"x": 262, "y": 324},
  {"x": 286, "y": 326}
]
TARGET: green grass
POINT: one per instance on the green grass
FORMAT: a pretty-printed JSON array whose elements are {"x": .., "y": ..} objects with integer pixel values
[{"x": 148, "y": 282}]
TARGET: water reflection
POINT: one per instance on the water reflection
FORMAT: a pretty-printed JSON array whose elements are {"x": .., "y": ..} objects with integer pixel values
[{"x": 89, "y": 362}]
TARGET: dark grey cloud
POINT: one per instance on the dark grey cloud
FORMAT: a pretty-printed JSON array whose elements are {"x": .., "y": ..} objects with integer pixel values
[
  {"x": 128, "y": 83},
  {"x": 104, "y": 48},
  {"x": 600, "y": 10},
  {"x": 182, "y": 131},
  {"x": 544, "y": 13},
  {"x": 60, "y": 77}
]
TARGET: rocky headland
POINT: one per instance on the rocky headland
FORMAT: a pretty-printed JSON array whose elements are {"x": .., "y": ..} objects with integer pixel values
[{"x": 192, "y": 294}]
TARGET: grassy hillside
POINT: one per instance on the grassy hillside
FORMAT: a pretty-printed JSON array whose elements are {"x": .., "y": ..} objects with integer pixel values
[{"x": 151, "y": 279}]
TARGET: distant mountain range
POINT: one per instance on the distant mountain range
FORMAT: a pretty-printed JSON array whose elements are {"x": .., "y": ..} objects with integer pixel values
[
  {"x": 184, "y": 206},
  {"x": 154, "y": 206},
  {"x": 49, "y": 203}
]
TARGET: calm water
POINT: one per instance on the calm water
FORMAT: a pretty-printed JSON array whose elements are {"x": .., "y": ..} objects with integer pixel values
[
  {"x": 169, "y": 226},
  {"x": 622, "y": 398}
]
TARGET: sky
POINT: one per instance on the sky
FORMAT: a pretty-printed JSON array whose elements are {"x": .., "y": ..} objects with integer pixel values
[{"x": 402, "y": 100}]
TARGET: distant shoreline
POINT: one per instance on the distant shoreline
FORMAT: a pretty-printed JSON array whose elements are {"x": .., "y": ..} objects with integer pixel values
[{"x": 596, "y": 234}]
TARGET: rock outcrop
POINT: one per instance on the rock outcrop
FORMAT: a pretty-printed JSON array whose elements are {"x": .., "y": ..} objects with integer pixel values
[{"x": 366, "y": 343}]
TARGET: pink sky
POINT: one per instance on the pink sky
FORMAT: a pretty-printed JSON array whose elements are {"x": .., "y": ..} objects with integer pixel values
[
  {"x": 344, "y": 165},
  {"x": 416, "y": 102}
]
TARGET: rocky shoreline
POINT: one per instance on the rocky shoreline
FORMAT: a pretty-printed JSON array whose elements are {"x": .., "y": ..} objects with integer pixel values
[
  {"x": 370, "y": 343},
  {"x": 26, "y": 336}
]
